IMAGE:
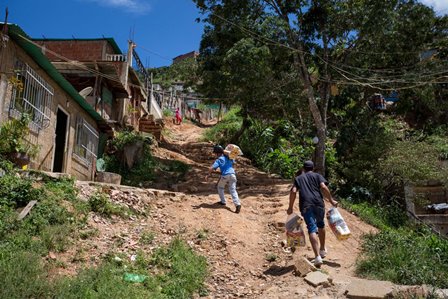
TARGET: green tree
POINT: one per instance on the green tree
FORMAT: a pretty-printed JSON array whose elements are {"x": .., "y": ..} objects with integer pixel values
[{"x": 324, "y": 43}]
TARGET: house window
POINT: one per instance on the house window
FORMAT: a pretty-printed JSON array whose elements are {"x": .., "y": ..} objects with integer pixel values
[
  {"x": 31, "y": 94},
  {"x": 86, "y": 146}
]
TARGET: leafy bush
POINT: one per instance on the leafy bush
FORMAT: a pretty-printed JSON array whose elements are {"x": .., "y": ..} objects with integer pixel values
[
  {"x": 412, "y": 162},
  {"x": 16, "y": 192},
  {"x": 168, "y": 112},
  {"x": 142, "y": 171},
  {"x": 276, "y": 147},
  {"x": 126, "y": 137},
  {"x": 225, "y": 129},
  {"x": 13, "y": 134}
]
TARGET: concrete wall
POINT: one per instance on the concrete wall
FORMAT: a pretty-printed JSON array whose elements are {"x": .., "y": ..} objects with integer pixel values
[
  {"x": 45, "y": 137},
  {"x": 417, "y": 197}
]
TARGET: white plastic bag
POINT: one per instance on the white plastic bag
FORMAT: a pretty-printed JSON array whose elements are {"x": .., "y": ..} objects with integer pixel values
[
  {"x": 295, "y": 236},
  {"x": 337, "y": 224}
]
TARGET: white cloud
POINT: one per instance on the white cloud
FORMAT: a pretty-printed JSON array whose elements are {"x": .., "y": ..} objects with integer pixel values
[
  {"x": 133, "y": 6},
  {"x": 440, "y": 6}
]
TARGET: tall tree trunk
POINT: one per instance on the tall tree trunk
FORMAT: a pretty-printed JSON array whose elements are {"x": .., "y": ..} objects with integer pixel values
[
  {"x": 246, "y": 124},
  {"x": 301, "y": 66},
  {"x": 299, "y": 61}
]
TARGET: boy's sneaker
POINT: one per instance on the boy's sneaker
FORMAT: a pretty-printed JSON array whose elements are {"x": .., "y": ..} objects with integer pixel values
[
  {"x": 323, "y": 253},
  {"x": 318, "y": 261},
  {"x": 221, "y": 203},
  {"x": 238, "y": 209}
]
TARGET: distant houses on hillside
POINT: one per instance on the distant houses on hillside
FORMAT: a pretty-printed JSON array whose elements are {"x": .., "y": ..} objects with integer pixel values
[{"x": 192, "y": 54}]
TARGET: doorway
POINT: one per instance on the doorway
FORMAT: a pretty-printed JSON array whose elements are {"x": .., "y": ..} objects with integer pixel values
[{"x": 60, "y": 141}]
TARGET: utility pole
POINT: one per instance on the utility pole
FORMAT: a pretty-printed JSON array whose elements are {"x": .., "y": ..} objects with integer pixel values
[{"x": 151, "y": 96}]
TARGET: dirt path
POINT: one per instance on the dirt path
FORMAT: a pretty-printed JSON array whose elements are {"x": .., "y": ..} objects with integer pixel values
[{"x": 237, "y": 245}]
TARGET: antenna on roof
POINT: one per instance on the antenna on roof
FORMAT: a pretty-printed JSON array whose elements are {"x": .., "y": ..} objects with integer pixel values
[
  {"x": 5, "y": 25},
  {"x": 132, "y": 33}
]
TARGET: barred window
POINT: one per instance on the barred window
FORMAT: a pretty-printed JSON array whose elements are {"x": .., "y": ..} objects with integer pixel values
[
  {"x": 86, "y": 141},
  {"x": 31, "y": 94}
]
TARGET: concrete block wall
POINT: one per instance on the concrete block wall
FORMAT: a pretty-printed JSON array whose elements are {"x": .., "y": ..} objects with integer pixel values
[{"x": 417, "y": 197}]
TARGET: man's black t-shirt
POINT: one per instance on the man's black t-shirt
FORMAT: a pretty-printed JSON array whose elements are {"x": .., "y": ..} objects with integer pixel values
[{"x": 308, "y": 185}]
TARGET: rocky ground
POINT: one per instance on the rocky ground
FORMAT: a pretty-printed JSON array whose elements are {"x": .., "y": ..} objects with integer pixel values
[{"x": 245, "y": 251}]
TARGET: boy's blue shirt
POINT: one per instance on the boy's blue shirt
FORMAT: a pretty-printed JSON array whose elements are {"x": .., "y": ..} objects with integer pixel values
[{"x": 225, "y": 165}]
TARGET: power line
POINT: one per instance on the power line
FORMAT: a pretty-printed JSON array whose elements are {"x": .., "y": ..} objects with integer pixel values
[{"x": 155, "y": 53}]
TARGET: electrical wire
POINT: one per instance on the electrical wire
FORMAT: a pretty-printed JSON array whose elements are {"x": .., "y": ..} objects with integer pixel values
[{"x": 266, "y": 40}]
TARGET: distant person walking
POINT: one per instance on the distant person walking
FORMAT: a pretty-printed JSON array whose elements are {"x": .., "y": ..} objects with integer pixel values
[
  {"x": 228, "y": 176},
  {"x": 178, "y": 117},
  {"x": 311, "y": 185}
]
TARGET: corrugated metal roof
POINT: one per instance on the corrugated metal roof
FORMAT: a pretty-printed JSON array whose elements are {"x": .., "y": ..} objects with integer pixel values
[{"x": 20, "y": 37}]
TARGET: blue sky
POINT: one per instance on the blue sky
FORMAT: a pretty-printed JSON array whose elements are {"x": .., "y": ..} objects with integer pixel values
[{"x": 163, "y": 29}]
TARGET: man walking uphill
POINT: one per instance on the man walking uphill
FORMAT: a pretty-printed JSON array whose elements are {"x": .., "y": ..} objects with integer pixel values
[
  {"x": 228, "y": 176},
  {"x": 311, "y": 185}
]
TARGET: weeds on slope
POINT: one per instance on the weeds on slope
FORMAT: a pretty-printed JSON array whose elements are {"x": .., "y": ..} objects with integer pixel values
[
  {"x": 402, "y": 252},
  {"x": 55, "y": 224}
]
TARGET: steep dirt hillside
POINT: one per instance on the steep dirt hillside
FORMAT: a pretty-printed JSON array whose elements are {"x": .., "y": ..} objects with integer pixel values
[
  {"x": 244, "y": 251},
  {"x": 238, "y": 246}
]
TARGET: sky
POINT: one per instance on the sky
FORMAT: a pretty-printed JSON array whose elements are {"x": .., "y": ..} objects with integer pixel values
[
  {"x": 162, "y": 29},
  {"x": 440, "y": 6}
]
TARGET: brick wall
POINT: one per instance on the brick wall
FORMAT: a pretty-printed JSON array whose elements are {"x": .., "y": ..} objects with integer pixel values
[{"x": 80, "y": 50}]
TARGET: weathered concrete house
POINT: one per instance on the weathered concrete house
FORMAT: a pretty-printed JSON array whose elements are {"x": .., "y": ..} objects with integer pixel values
[
  {"x": 105, "y": 75},
  {"x": 63, "y": 124}
]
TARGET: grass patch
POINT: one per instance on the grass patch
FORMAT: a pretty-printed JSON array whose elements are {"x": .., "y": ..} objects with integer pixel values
[
  {"x": 184, "y": 271},
  {"x": 382, "y": 216},
  {"x": 22, "y": 275},
  {"x": 174, "y": 271},
  {"x": 56, "y": 238},
  {"x": 99, "y": 203},
  {"x": 405, "y": 256},
  {"x": 400, "y": 252},
  {"x": 226, "y": 128},
  {"x": 182, "y": 274},
  {"x": 88, "y": 233},
  {"x": 147, "y": 237}
]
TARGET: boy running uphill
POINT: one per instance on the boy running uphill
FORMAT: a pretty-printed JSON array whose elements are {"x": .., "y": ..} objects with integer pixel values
[{"x": 228, "y": 176}]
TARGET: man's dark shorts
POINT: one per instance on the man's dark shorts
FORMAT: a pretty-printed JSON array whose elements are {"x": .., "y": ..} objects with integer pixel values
[{"x": 314, "y": 218}]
